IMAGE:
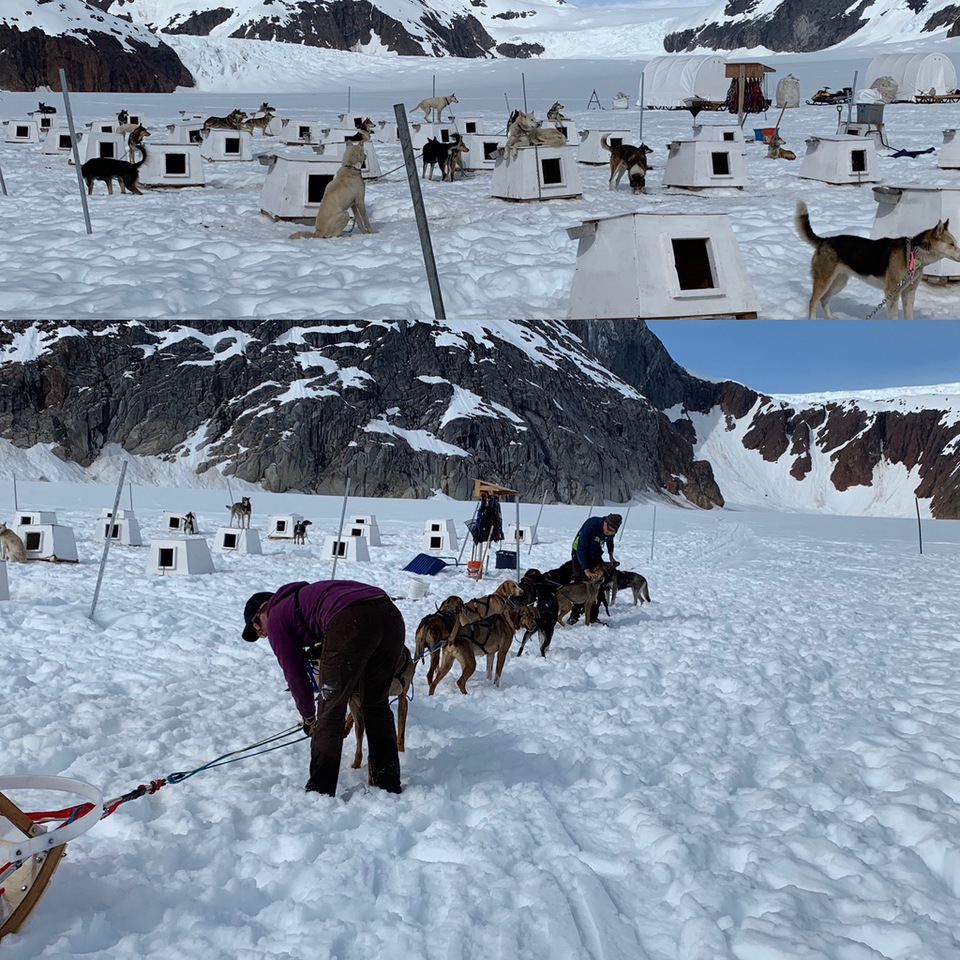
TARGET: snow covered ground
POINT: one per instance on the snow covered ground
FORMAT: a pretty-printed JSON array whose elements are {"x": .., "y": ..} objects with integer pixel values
[
  {"x": 763, "y": 763},
  {"x": 209, "y": 252}
]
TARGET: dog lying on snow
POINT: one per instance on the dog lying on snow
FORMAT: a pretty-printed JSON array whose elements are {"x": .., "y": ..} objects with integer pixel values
[
  {"x": 776, "y": 151},
  {"x": 893, "y": 264},
  {"x": 627, "y": 159},
  {"x": 344, "y": 197}
]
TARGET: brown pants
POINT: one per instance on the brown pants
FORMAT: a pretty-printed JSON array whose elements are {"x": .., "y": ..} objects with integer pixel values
[{"x": 361, "y": 651}]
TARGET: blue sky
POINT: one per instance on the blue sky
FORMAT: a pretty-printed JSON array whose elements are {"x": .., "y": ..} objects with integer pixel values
[{"x": 804, "y": 356}]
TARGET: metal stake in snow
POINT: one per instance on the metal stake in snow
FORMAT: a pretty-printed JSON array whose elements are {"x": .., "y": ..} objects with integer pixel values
[
  {"x": 229, "y": 489},
  {"x": 593, "y": 503},
  {"x": 641, "y": 108},
  {"x": 336, "y": 546},
  {"x": 516, "y": 536},
  {"x": 349, "y": 92},
  {"x": 919, "y": 529},
  {"x": 16, "y": 505},
  {"x": 653, "y": 531},
  {"x": 76, "y": 155},
  {"x": 853, "y": 93},
  {"x": 543, "y": 500},
  {"x": 109, "y": 536},
  {"x": 434, "y": 85},
  {"x": 623, "y": 526},
  {"x": 423, "y": 228},
  {"x": 130, "y": 492},
  {"x": 3, "y": 185},
  {"x": 523, "y": 81}
]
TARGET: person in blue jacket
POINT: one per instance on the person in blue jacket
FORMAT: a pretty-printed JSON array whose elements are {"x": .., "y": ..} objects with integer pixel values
[{"x": 588, "y": 544}]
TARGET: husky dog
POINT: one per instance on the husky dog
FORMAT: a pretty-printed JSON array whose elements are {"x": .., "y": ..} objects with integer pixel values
[
  {"x": 498, "y": 602},
  {"x": 190, "y": 524},
  {"x": 555, "y": 113},
  {"x": 776, "y": 151},
  {"x": 107, "y": 169},
  {"x": 43, "y": 108},
  {"x": 627, "y": 159},
  {"x": 543, "y": 596},
  {"x": 300, "y": 531},
  {"x": 365, "y": 129},
  {"x": 433, "y": 630},
  {"x": 893, "y": 264},
  {"x": 241, "y": 510},
  {"x": 344, "y": 195},
  {"x": 524, "y": 130},
  {"x": 232, "y": 121},
  {"x": 123, "y": 117},
  {"x": 625, "y": 580},
  {"x": 11, "y": 546},
  {"x": 447, "y": 156},
  {"x": 135, "y": 133},
  {"x": 435, "y": 105},
  {"x": 265, "y": 113}
]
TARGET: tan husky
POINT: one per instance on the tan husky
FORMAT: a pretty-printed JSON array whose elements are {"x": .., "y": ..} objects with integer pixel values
[
  {"x": 11, "y": 546},
  {"x": 345, "y": 195},
  {"x": 435, "y": 105},
  {"x": 893, "y": 264}
]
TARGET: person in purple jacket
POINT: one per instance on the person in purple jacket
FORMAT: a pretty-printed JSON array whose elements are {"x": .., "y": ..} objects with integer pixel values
[{"x": 360, "y": 636}]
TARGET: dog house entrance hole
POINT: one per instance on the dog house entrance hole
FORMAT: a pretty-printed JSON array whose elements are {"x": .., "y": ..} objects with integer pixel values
[
  {"x": 858, "y": 161},
  {"x": 339, "y": 548},
  {"x": 64, "y": 141},
  {"x": 231, "y": 145},
  {"x": 33, "y": 540},
  {"x": 175, "y": 164},
  {"x": 166, "y": 558},
  {"x": 304, "y": 133},
  {"x": 563, "y": 130},
  {"x": 691, "y": 257},
  {"x": 174, "y": 523},
  {"x": 357, "y": 122},
  {"x": 196, "y": 136},
  {"x": 316, "y": 184},
  {"x": 356, "y": 532},
  {"x": 44, "y": 123},
  {"x": 490, "y": 150},
  {"x": 551, "y": 171},
  {"x": 23, "y": 132},
  {"x": 721, "y": 164},
  {"x": 229, "y": 541},
  {"x": 728, "y": 136},
  {"x": 471, "y": 126},
  {"x": 436, "y": 543},
  {"x": 281, "y": 526},
  {"x": 615, "y": 141},
  {"x": 26, "y": 521},
  {"x": 115, "y": 532}
]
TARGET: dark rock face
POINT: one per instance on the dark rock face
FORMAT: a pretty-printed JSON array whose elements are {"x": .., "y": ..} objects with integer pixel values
[
  {"x": 520, "y": 51},
  {"x": 795, "y": 25},
  {"x": 403, "y": 410},
  {"x": 199, "y": 24},
  {"x": 942, "y": 17},
  {"x": 100, "y": 62}
]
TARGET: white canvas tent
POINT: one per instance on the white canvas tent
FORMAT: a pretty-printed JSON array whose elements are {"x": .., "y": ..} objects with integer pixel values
[
  {"x": 914, "y": 73},
  {"x": 905, "y": 211},
  {"x": 668, "y": 81},
  {"x": 659, "y": 265}
]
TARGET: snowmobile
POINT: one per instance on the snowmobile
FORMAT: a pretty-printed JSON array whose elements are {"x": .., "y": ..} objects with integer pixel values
[{"x": 824, "y": 96}]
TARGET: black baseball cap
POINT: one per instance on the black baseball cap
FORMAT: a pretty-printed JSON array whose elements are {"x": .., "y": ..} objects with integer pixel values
[
  {"x": 613, "y": 520},
  {"x": 250, "y": 610}
]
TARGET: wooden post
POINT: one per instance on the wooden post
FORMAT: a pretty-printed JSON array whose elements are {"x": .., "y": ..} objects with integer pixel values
[
  {"x": 743, "y": 82},
  {"x": 336, "y": 548},
  {"x": 75, "y": 148},
  {"x": 3, "y": 185},
  {"x": 106, "y": 540}
]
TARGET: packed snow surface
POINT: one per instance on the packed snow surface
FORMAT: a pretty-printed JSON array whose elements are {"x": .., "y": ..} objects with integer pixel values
[
  {"x": 762, "y": 763},
  {"x": 198, "y": 253}
]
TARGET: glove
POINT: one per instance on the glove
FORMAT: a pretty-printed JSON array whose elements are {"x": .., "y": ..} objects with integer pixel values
[{"x": 308, "y": 726}]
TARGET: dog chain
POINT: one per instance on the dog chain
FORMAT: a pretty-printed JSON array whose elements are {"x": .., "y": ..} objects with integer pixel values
[{"x": 907, "y": 277}]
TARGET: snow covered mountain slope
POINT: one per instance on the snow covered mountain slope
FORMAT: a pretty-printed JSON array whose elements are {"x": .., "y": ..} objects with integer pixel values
[
  {"x": 99, "y": 50},
  {"x": 799, "y": 26}
]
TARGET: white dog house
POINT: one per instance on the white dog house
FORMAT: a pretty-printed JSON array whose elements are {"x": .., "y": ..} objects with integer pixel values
[
  {"x": 528, "y": 533},
  {"x": 277, "y": 123},
  {"x": 92, "y": 144},
  {"x": 294, "y": 185},
  {"x": 702, "y": 164},
  {"x": 172, "y": 165},
  {"x": 536, "y": 173},
  {"x": 300, "y": 132},
  {"x": 185, "y": 131},
  {"x": 237, "y": 540},
  {"x": 669, "y": 81},
  {"x": 348, "y": 548},
  {"x": 365, "y": 526},
  {"x": 21, "y": 131},
  {"x": 483, "y": 150},
  {"x": 46, "y": 121},
  {"x": 719, "y": 133},
  {"x": 192, "y": 115},
  {"x": 48, "y": 541},
  {"x": 57, "y": 141},
  {"x": 659, "y": 265},
  {"x": 840, "y": 159},
  {"x": 387, "y": 131},
  {"x": 439, "y": 535},
  {"x": 591, "y": 150},
  {"x": 420, "y": 133},
  {"x": 121, "y": 529},
  {"x": 177, "y": 523},
  {"x": 27, "y": 518},
  {"x": 180, "y": 556},
  {"x": 905, "y": 211},
  {"x": 467, "y": 126},
  {"x": 352, "y": 121},
  {"x": 221, "y": 145},
  {"x": 103, "y": 126},
  {"x": 333, "y": 147},
  {"x": 4, "y": 584},
  {"x": 949, "y": 156},
  {"x": 280, "y": 525}
]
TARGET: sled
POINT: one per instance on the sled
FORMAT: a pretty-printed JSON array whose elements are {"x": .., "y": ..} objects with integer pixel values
[{"x": 31, "y": 853}]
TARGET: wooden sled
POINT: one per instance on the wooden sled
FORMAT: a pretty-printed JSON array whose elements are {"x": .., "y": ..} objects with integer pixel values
[{"x": 28, "y": 865}]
